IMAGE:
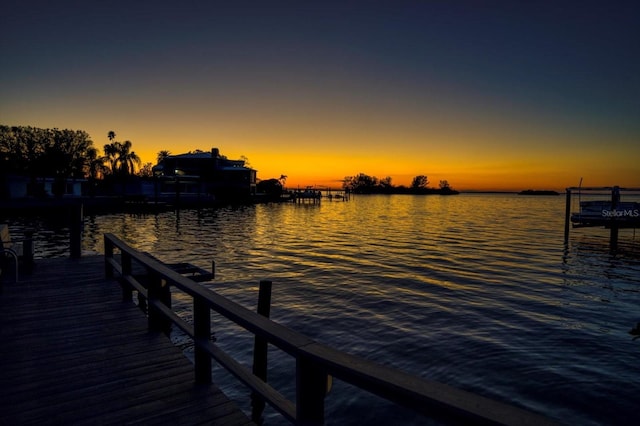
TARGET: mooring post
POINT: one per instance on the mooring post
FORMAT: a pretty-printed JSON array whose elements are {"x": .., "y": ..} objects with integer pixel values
[
  {"x": 260, "y": 351},
  {"x": 567, "y": 214},
  {"x": 613, "y": 234}
]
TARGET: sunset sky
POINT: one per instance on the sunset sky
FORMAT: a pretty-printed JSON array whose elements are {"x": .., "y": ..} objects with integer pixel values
[{"x": 506, "y": 96}]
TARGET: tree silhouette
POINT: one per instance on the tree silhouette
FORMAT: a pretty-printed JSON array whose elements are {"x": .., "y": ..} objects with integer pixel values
[
  {"x": 360, "y": 184},
  {"x": 271, "y": 187},
  {"x": 127, "y": 160},
  {"x": 94, "y": 164},
  {"x": 122, "y": 160},
  {"x": 146, "y": 170},
  {"x": 36, "y": 153},
  {"x": 385, "y": 185},
  {"x": 111, "y": 155},
  {"x": 419, "y": 182},
  {"x": 162, "y": 155}
]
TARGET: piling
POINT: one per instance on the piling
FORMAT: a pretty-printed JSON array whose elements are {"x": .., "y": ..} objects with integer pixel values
[
  {"x": 260, "y": 351},
  {"x": 567, "y": 215},
  {"x": 613, "y": 234}
]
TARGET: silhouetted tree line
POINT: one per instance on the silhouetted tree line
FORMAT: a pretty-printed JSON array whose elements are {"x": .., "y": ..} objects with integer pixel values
[
  {"x": 365, "y": 184},
  {"x": 63, "y": 154},
  {"x": 273, "y": 187}
]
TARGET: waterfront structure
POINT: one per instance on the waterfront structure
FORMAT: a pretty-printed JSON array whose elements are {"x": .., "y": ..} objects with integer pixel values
[
  {"x": 612, "y": 213},
  {"x": 204, "y": 174}
]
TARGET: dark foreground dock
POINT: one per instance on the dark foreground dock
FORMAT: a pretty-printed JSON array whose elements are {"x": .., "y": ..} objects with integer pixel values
[{"x": 72, "y": 352}]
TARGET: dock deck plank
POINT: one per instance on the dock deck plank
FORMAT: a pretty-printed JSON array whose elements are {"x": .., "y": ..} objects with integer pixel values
[{"x": 73, "y": 353}]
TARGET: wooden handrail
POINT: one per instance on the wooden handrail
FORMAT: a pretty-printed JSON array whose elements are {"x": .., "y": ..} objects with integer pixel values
[{"x": 314, "y": 361}]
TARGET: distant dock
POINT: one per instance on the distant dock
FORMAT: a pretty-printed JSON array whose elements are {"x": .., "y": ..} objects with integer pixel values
[
  {"x": 310, "y": 195},
  {"x": 612, "y": 213}
]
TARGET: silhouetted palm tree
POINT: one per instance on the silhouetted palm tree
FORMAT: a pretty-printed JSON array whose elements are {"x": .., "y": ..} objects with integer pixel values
[
  {"x": 94, "y": 164},
  {"x": 111, "y": 155},
  {"x": 162, "y": 155},
  {"x": 127, "y": 160}
]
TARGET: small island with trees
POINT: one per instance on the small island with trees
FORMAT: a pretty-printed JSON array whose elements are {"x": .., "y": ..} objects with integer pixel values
[{"x": 365, "y": 184}]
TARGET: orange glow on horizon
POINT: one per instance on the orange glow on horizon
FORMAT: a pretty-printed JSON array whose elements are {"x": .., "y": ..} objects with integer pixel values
[
  {"x": 327, "y": 170},
  {"x": 492, "y": 157}
]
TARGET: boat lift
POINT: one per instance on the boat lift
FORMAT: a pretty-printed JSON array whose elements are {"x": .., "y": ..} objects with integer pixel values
[{"x": 613, "y": 213}]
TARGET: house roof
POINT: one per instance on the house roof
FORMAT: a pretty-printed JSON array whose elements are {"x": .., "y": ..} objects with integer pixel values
[
  {"x": 223, "y": 164},
  {"x": 192, "y": 155}
]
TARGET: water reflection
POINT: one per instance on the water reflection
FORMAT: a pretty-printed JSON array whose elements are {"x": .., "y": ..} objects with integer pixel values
[{"x": 478, "y": 291}]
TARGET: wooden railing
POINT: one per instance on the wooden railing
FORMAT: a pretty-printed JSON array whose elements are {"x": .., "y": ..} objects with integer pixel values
[{"x": 315, "y": 362}]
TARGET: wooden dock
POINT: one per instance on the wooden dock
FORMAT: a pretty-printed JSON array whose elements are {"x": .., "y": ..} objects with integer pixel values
[{"x": 72, "y": 352}]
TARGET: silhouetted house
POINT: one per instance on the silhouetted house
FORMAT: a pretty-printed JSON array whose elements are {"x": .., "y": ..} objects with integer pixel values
[{"x": 205, "y": 174}]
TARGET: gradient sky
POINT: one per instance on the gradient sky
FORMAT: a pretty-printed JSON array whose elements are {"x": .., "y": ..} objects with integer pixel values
[{"x": 496, "y": 95}]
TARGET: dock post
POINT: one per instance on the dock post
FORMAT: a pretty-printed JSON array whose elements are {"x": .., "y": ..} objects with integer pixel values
[
  {"x": 108, "y": 255},
  {"x": 567, "y": 214},
  {"x": 613, "y": 234},
  {"x": 158, "y": 290},
  {"x": 260, "y": 351},
  {"x": 613, "y": 237},
  {"x": 311, "y": 389},
  {"x": 202, "y": 334},
  {"x": 75, "y": 231},
  {"x": 127, "y": 290}
]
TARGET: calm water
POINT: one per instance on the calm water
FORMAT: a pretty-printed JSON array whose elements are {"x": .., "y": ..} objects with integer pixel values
[{"x": 477, "y": 291}]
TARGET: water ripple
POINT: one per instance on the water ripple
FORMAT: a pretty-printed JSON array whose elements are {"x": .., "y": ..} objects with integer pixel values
[{"x": 477, "y": 291}]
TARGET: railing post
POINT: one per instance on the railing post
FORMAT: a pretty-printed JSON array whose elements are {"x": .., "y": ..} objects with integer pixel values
[
  {"x": 567, "y": 215},
  {"x": 157, "y": 290},
  {"x": 311, "y": 388},
  {"x": 202, "y": 334},
  {"x": 260, "y": 351},
  {"x": 127, "y": 291},
  {"x": 108, "y": 255}
]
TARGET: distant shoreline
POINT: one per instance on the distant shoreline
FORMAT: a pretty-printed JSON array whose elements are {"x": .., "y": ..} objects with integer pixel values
[{"x": 538, "y": 192}]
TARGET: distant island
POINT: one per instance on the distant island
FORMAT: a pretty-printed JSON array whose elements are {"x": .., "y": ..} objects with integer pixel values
[
  {"x": 365, "y": 184},
  {"x": 537, "y": 192}
]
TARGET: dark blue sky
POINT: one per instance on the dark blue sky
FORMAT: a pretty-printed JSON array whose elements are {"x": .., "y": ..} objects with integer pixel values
[{"x": 354, "y": 80}]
